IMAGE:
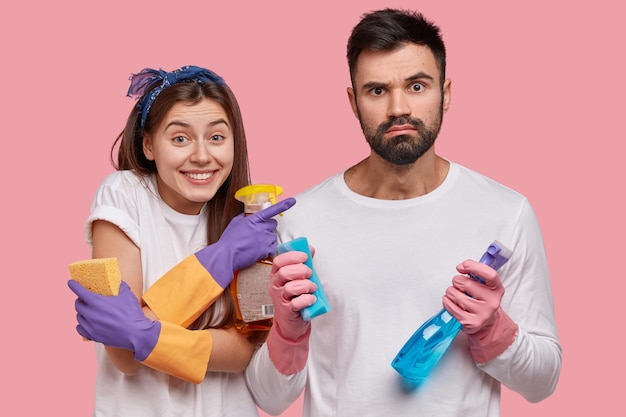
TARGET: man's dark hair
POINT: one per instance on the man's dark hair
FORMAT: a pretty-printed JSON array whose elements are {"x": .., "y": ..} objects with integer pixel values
[{"x": 389, "y": 29}]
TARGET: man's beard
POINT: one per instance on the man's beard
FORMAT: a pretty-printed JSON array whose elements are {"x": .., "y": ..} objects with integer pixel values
[{"x": 403, "y": 149}]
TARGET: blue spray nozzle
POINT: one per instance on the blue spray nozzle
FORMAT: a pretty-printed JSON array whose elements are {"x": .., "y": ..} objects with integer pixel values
[
  {"x": 421, "y": 353},
  {"x": 321, "y": 305}
]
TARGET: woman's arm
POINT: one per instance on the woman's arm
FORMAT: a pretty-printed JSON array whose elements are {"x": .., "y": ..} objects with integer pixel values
[
  {"x": 109, "y": 241},
  {"x": 231, "y": 351}
]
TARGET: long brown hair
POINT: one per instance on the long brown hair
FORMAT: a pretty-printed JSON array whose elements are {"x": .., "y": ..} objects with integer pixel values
[{"x": 223, "y": 206}]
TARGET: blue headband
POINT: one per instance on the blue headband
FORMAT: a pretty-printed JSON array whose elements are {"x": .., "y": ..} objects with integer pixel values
[{"x": 148, "y": 77}]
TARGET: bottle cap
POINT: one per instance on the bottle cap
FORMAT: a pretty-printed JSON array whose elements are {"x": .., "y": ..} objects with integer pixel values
[{"x": 256, "y": 197}]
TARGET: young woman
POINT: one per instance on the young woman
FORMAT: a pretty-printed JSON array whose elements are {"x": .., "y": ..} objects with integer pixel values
[{"x": 168, "y": 214}]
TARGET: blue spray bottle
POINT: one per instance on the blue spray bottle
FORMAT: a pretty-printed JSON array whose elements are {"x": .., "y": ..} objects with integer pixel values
[
  {"x": 429, "y": 343},
  {"x": 321, "y": 305}
]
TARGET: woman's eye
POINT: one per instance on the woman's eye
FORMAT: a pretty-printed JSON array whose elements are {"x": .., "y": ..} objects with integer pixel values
[
  {"x": 217, "y": 138},
  {"x": 179, "y": 139}
]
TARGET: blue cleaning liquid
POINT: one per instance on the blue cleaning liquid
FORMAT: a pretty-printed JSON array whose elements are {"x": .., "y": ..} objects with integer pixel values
[
  {"x": 321, "y": 305},
  {"x": 422, "y": 352},
  {"x": 426, "y": 347}
]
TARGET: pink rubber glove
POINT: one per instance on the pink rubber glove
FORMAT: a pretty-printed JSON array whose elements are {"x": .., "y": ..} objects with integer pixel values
[
  {"x": 477, "y": 307},
  {"x": 290, "y": 289}
]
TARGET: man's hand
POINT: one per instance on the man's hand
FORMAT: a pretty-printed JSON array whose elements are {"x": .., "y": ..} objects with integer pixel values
[
  {"x": 477, "y": 307},
  {"x": 291, "y": 291}
]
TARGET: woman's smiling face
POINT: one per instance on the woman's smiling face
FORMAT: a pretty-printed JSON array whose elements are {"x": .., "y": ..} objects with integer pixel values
[{"x": 193, "y": 149}]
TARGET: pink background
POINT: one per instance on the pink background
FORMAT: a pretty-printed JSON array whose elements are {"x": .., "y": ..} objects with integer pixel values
[{"x": 537, "y": 103}]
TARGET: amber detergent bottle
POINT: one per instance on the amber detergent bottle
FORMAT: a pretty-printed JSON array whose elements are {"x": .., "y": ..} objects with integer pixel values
[{"x": 249, "y": 288}]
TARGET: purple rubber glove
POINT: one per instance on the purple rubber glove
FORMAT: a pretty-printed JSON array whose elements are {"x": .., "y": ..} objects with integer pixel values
[
  {"x": 246, "y": 240},
  {"x": 477, "y": 307},
  {"x": 116, "y": 321},
  {"x": 291, "y": 291}
]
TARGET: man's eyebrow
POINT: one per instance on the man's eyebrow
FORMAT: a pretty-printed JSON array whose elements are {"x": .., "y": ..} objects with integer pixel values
[
  {"x": 373, "y": 84},
  {"x": 419, "y": 76}
]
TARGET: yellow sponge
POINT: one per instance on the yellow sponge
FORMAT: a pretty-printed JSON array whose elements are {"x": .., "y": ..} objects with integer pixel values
[{"x": 101, "y": 276}]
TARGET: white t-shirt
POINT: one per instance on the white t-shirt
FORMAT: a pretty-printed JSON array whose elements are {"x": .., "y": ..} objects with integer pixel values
[
  {"x": 385, "y": 265},
  {"x": 165, "y": 237}
]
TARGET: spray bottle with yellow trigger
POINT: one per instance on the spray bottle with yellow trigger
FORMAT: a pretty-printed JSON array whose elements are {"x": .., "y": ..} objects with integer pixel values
[{"x": 253, "y": 304}]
